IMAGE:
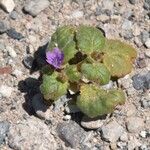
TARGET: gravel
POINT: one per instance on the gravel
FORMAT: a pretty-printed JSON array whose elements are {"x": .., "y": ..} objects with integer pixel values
[
  {"x": 147, "y": 4},
  {"x": 11, "y": 51},
  {"x": 14, "y": 15},
  {"x": 34, "y": 7},
  {"x": 147, "y": 43},
  {"x": 133, "y": 1},
  {"x": 4, "y": 128},
  {"x": 112, "y": 131},
  {"x": 135, "y": 124},
  {"x": 32, "y": 134}
]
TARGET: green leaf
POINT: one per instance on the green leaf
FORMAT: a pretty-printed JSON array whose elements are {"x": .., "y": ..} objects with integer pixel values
[
  {"x": 89, "y": 39},
  {"x": 96, "y": 102},
  {"x": 118, "y": 47},
  {"x": 64, "y": 39},
  {"x": 96, "y": 72},
  {"x": 72, "y": 73},
  {"x": 117, "y": 64},
  {"x": 51, "y": 88}
]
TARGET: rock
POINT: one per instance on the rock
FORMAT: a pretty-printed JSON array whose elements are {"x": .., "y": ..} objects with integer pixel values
[
  {"x": 8, "y": 5},
  {"x": 34, "y": 7},
  {"x": 77, "y": 14},
  {"x": 31, "y": 133},
  {"x": 71, "y": 133},
  {"x": 138, "y": 82},
  {"x": 67, "y": 117},
  {"x": 3, "y": 27},
  {"x": 103, "y": 18},
  {"x": 40, "y": 108},
  {"x": 133, "y": 143},
  {"x": 144, "y": 36},
  {"x": 141, "y": 62},
  {"x": 122, "y": 145},
  {"x": 132, "y": 2},
  {"x": 60, "y": 103},
  {"x": 108, "y": 4},
  {"x": 147, "y": 82},
  {"x": 108, "y": 86},
  {"x": 127, "y": 25},
  {"x": 124, "y": 137},
  {"x": 91, "y": 123},
  {"x": 127, "y": 34},
  {"x": 14, "y": 15},
  {"x": 144, "y": 147},
  {"x": 11, "y": 51},
  {"x": 134, "y": 124},
  {"x": 145, "y": 101},
  {"x": 6, "y": 91},
  {"x": 112, "y": 131},
  {"x": 4, "y": 128},
  {"x": 28, "y": 61},
  {"x": 14, "y": 34},
  {"x": 147, "y": 53},
  {"x": 17, "y": 73},
  {"x": 143, "y": 134},
  {"x": 147, "y": 43},
  {"x": 147, "y": 4}
]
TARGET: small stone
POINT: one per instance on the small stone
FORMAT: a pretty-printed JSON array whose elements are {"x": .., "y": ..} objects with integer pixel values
[
  {"x": 127, "y": 25},
  {"x": 138, "y": 42},
  {"x": 102, "y": 18},
  {"x": 17, "y": 73},
  {"x": 132, "y": 2},
  {"x": 3, "y": 27},
  {"x": 122, "y": 145},
  {"x": 147, "y": 4},
  {"x": 91, "y": 123},
  {"x": 141, "y": 63},
  {"x": 127, "y": 34},
  {"x": 112, "y": 131},
  {"x": 14, "y": 34},
  {"x": 133, "y": 143},
  {"x": 145, "y": 103},
  {"x": 147, "y": 53},
  {"x": 134, "y": 124},
  {"x": 11, "y": 51},
  {"x": 67, "y": 117},
  {"x": 28, "y": 61},
  {"x": 34, "y": 7},
  {"x": 8, "y": 5},
  {"x": 147, "y": 82},
  {"x": 77, "y": 14},
  {"x": 108, "y": 86},
  {"x": 124, "y": 137},
  {"x": 40, "y": 108},
  {"x": 138, "y": 82},
  {"x": 71, "y": 133},
  {"x": 14, "y": 15},
  {"x": 4, "y": 128},
  {"x": 144, "y": 36},
  {"x": 6, "y": 91},
  {"x": 108, "y": 4},
  {"x": 136, "y": 30},
  {"x": 147, "y": 43},
  {"x": 143, "y": 147},
  {"x": 143, "y": 134}
]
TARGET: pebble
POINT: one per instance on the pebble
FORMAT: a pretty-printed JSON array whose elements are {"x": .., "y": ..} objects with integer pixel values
[
  {"x": 147, "y": 43},
  {"x": 147, "y": 4},
  {"x": 67, "y": 117},
  {"x": 112, "y": 131},
  {"x": 144, "y": 147},
  {"x": 34, "y": 7},
  {"x": 4, "y": 128},
  {"x": 14, "y": 15},
  {"x": 127, "y": 25},
  {"x": 145, "y": 102},
  {"x": 17, "y": 73},
  {"x": 138, "y": 82},
  {"x": 134, "y": 124},
  {"x": 143, "y": 134},
  {"x": 108, "y": 4},
  {"x": 124, "y": 137},
  {"x": 11, "y": 51},
  {"x": 14, "y": 34},
  {"x": 7, "y": 5},
  {"x": 6, "y": 91},
  {"x": 71, "y": 133},
  {"x": 144, "y": 36},
  {"x": 132, "y": 2},
  {"x": 108, "y": 86},
  {"x": 3, "y": 27},
  {"x": 40, "y": 108},
  {"x": 77, "y": 14},
  {"x": 28, "y": 61},
  {"x": 147, "y": 53},
  {"x": 91, "y": 123}
]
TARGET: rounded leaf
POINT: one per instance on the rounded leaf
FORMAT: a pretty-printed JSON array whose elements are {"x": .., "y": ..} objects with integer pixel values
[
  {"x": 96, "y": 72},
  {"x": 89, "y": 39}
]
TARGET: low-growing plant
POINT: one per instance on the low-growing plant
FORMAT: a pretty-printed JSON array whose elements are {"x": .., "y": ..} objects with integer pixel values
[{"x": 82, "y": 59}]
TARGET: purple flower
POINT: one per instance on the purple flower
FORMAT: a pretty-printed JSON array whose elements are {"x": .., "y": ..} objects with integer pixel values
[{"x": 55, "y": 57}]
